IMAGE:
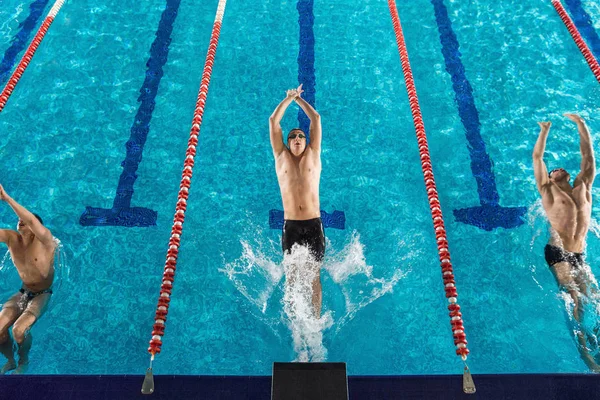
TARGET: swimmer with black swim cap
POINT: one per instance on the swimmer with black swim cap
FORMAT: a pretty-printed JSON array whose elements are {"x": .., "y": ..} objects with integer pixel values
[{"x": 298, "y": 168}]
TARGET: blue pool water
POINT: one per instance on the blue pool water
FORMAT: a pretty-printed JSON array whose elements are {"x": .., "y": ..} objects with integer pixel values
[{"x": 62, "y": 142}]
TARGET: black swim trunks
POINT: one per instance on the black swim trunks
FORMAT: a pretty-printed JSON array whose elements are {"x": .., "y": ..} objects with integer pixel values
[
  {"x": 305, "y": 233},
  {"x": 31, "y": 295},
  {"x": 27, "y": 301},
  {"x": 555, "y": 254}
]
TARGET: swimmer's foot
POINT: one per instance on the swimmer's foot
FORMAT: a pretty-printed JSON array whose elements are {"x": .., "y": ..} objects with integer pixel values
[
  {"x": 22, "y": 368},
  {"x": 591, "y": 363},
  {"x": 9, "y": 366}
]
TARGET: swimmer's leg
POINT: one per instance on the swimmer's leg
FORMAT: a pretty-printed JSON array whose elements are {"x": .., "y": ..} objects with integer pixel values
[
  {"x": 317, "y": 249},
  {"x": 317, "y": 293},
  {"x": 7, "y": 349},
  {"x": 24, "y": 355},
  {"x": 291, "y": 270},
  {"x": 564, "y": 274},
  {"x": 565, "y": 277},
  {"x": 35, "y": 309},
  {"x": 8, "y": 316},
  {"x": 23, "y": 338}
]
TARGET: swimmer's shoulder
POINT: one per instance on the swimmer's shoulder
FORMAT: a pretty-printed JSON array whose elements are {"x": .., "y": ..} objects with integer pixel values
[{"x": 8, "y": 236}]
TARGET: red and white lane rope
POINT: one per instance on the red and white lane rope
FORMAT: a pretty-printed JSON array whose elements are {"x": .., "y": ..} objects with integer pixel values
[
  {"x": 186, "y": 181},
  {"x": 37, "y": 39},
  {"x": 458, "y": 330},
  {"x": 166, "y": 287},
  {"x": 583, "y": 47}
]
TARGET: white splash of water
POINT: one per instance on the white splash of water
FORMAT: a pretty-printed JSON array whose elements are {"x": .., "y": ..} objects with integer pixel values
[
  {"x": 4, "y": 266},
  {"x": 6, "y": 277},
  {"x": 254, "y": 275},
  {"x": 62, "y": 270},
  {"x": 536, "y": 213},
  {"x": 350, "y": 271},
  {"x": 595, "y": 227},
  {"x": 307, "y": 328},
  {"x": 538, "y": 222}
]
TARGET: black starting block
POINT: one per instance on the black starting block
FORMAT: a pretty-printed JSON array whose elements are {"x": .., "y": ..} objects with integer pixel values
[{"x": 309, "y": 381}]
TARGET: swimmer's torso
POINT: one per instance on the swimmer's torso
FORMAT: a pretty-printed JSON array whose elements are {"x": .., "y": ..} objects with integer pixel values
[
  {"x": 569, "y": 215},
  {"x": 299, "y": 184},
  {"x": 35, "y": 263}
]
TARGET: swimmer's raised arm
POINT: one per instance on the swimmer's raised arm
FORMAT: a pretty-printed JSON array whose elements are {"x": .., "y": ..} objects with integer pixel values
[
  {"x": 315, "y": 122},
  {"x": 588, "y": 162},
  {"x": 275, "y": 120},
  {"x": 39, "y": 230},
  {"x": 539, "y": 167}
]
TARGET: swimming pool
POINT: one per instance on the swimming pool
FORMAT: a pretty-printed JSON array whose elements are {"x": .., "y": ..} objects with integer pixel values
[{"x": 63, "y": 138}]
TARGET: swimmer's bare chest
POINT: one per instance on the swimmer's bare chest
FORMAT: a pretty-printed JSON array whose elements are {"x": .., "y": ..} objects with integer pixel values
[
  {"x": 569, "y": 215},
  {"x": 34, "y": 263},
  {"x": 299, "y": 185}
]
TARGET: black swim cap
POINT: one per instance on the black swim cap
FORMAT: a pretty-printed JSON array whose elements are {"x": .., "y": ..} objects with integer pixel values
[{"x": 38, "y": 218}]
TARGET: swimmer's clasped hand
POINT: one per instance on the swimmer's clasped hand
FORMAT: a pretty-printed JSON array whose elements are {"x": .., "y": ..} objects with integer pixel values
[{"x": 294, "y": 93}]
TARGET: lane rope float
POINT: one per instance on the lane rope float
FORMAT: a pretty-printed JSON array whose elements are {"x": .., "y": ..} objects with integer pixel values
[
  {"x": 458, "y": 329},
  {"x": 26, "y": 59},
  {"x": 170, "y": 267},
  {"x": 583, "y": 47}
]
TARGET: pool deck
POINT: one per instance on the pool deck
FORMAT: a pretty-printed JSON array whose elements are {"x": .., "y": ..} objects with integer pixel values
[{"x": 115, "y": 387}]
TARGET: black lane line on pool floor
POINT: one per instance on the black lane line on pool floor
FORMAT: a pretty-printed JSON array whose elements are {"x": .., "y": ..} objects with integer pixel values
[
  {"x": 306, "y": 60},
  {"x": 490, "y": 214},
  {"x": 306, "y": 76},
  {"x": 122, "y": 214}
]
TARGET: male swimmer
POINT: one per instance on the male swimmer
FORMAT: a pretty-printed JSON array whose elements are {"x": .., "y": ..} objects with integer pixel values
[
  {"x": 32, "y": 251},
  {"x": 298, "y": 169},
  {"x": 569, "y": 211}
]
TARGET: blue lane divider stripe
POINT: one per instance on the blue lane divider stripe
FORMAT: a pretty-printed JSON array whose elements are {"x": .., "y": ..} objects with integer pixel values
[
  {"x": 481, "y": 164},
  {"x": 306, "y": 76},
  {"x": 306, "y": 60},
  {"x": 21, "y": 39},
  {"x": 336, "y": 219},
  {"x": 583, "y": 21},
  {"x": 122, "y": 214},
  {"x": 490, "y": 214}
]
